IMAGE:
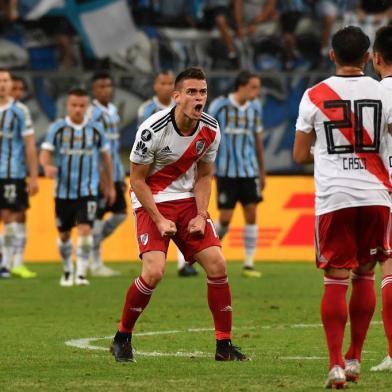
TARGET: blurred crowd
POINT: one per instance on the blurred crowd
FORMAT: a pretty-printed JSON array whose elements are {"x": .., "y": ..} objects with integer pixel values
[{"x": 260, "y": 35}]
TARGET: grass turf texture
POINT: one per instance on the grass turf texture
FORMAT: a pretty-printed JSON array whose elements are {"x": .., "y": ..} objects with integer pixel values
[{"x": 38, "y": 316}]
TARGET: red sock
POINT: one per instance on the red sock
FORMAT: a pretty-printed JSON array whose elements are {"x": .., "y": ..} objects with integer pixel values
[
  {"x": 386, "y": 292},
  {"x": 138, "y": 296},
  {"x": 334, "y": 317},
  {"x": 361, "y": 310},
  {"x": 219, "y": 301}
]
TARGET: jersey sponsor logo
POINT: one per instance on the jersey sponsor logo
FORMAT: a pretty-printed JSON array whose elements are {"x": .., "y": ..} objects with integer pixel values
[
  {"x": 146, "y": 135},
  {"x": 144, "y": 238},
  {"x": 200, "y": 144},
  {"x": 141, "y": 149},
  {"x": 76, "y": 151}
]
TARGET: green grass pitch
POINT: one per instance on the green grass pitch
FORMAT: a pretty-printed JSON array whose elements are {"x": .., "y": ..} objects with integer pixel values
[{"x": 276, "y": 322}]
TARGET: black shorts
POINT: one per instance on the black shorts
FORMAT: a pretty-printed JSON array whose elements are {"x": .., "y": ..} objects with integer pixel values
[
  {"x": 13, "y": 195},
  {"x": 71, "y": 212},
  {"x": 231, "y": 190},
  {"x": 119, "y": 205}
]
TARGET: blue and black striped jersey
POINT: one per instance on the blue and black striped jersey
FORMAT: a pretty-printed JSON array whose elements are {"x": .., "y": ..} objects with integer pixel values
[
  {"x": 108, "y": 118},
  {"x": 76, "y": 149},
  {"x": 149, "y": 108},
  {"x": 15, "y": 124},
  {"x": 239, "y": 124}
]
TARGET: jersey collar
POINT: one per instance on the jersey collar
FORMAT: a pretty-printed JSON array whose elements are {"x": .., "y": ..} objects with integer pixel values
[
  {"x": 7, "y": 105},
  {"x": 236, "y": 104},
  {"x": 173, "y": 120},
  {"x": 76, "y": 126},
  {"x": 105, "y": 109}
]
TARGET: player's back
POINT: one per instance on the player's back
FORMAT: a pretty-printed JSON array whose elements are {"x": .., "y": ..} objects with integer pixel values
[
  {"x": 15, "y": 124},
  {"x": 350, "y": 115}
]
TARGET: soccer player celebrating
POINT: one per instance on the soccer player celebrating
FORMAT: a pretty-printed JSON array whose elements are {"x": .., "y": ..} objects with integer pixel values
[
  {"x": 239, "y": 167},
  {"x": 105, "y": 112},
  {"x": 163, "y": 99},
  {"x": 71, "y": 155},
  {"x": 347, "y": 118},
  {"x": 17, "y": 150},
  {"x": 382, "y": 61},
  {"x": 171, "y": 175}
]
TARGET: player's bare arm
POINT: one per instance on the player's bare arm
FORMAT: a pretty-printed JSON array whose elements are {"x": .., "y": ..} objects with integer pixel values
[
  {"x": 202, "y": 190},
  {"x": 110, "y": 191},
  {"x": 46, "y": 161},
  {"x": 32, "y": 163},
  {"x": 302, "y": 147},
  {"x": 137, "y": 179},
  {"x": 259, "y": 146}
]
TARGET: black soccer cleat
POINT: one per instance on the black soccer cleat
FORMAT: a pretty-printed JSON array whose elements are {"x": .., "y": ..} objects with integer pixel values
[
  {"x": 187, "y": 270},
  {"x": 121, "y": 348},
  {"x": 225, "y": 351}
]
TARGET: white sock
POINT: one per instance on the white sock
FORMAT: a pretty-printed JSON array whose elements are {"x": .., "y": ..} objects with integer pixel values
[
  {"x": 83, "y": 252},
  {"x": 251, "y": 233},
  {"x": 221, "y": 230},
  {"x": 111, "y": 224},
  {"x": 97, "y": 239},
  {"x": 20, "y": 244},
  {"x": 9, "y": 239},
  {"x": 180, "y": 260},
  {"x": 65, "y": 250}
]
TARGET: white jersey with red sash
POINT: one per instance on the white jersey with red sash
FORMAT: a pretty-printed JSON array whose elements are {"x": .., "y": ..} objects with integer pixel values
[
  {"x": 350, "y": 116},
  {"x": 173, "y": 156}
]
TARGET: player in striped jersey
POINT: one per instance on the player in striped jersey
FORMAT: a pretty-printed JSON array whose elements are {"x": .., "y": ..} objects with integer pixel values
[
  {"x": 345, "y": 121},
  {"x": 105, "y": 112},
  {"x": 71, "y": 154},
  {"x": 171, "y": 174},
  {"x": 239, "y": 166},
  {"x": 382, "y": 61},
  {"x": 17, "y": 153},
  {"x": 163, "y": 88}
]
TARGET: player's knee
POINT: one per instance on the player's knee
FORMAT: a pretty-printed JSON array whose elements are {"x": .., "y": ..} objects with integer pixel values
[
  {"x": 217, "y": 265},
  {"x": 85, "y": 243},
  {"x": 153, "y": 277}
]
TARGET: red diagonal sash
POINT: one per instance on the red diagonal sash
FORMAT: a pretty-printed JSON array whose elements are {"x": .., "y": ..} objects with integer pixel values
[
  {"x": 168, "y": 174},
  {"x": 374, "y": 164}
]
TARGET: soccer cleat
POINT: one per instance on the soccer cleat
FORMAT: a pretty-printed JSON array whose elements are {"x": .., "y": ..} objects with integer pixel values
[
  {"x": 187, "y": 270},
  {"x": 336, "y": 378},
  {"x": 250, "y": 272},
  {"x": 384, "y": 366},
  {"x": 81, "y": 281},
  {"x": 352, "y": 369},
  {"x": 4, "y": 273},
  {"x": 225, "y": 351},
  {"x": 122, "y": 349},
  {"x": 103, "y": 272},
  {"x": 67, "y": 279},
  {"x": 23, "y": 272}
]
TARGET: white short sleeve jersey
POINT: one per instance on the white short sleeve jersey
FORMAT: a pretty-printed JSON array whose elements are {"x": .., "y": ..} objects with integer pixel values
[
  {"x": 173, "y": 157},
  {"x": 350, "y": 115}
]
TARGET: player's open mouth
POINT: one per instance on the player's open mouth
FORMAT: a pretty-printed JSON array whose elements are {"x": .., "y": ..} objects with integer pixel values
[{"x": 199, "y": 108}]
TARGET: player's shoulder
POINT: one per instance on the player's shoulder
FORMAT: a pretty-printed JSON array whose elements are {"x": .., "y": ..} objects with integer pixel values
[
  {"x": 256, "y": 104},
  {"x": 57, "y": 125},
  {"x": 157, "y": 121},
  {"x": 95, "y": 125},
  {"x": 221, "y": 100},
  {"x": 145, "y": 105},
  {"x": 20, "y": 108},
  {"x": 209, "y": 120}
]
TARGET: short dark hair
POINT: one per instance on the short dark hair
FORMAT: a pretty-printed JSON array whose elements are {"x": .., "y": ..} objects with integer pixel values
[
  {"x": 78, "y": 91},
  {"x": 243, "y": 78},
  {"x": 350, "y": 45},
  {"x": 101, "y": 75},
  {"x": 189, "y": 73},
  {"x": 383, "y": 43},
  {"x": 163, "y": 72},
  {"x": 2, "y": 69},
  {"x": 17, "y": 78}
]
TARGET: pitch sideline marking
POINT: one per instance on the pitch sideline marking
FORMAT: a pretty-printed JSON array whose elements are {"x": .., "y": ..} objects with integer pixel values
[{"x": 85, "y": 343}]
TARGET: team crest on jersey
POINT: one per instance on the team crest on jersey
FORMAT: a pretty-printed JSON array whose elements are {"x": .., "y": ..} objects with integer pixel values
[
  {"x": 146, "y": 135},
  {"x": 144, "y": 239},
  {"x": 200, "y": 144}
]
